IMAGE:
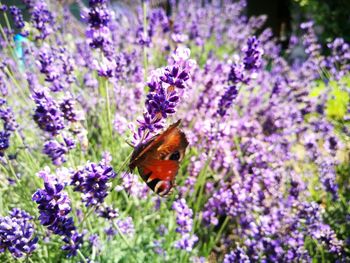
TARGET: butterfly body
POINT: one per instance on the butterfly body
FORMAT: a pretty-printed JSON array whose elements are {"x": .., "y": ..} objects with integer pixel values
[{"x": 158, "y": 159}]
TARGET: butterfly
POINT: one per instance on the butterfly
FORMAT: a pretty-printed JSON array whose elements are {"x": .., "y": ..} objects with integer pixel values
[{"x": 158, "y": 159}]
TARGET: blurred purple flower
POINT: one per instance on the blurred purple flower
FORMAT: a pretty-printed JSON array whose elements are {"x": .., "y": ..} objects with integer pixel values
[
  {"x": 17, "y": 16},
  {"x": 126, "y": 226},
  {"x": 183, "y": 216},
  {"x": 6, "y": 114},
  {"x": 42, "y": 19},
  {"x": 236, "y": 256},
  {"x": 3, "y": 8},
  {"x": 226, "y": 100},
  {"x": 98, "y": 33},
  {"x": 253, "y": 53},
  {"x": 240, "y": 73},
  {"x": 132, "y": 185},
  {"x": 69, "y": 111},
  {"x": 4, "y": 141},
  {"x": 93, "y": 3},
  {"x": 328, "y": 178},
  {"x": 186, "y": 242},
  {"x": 108, "y": 212}
]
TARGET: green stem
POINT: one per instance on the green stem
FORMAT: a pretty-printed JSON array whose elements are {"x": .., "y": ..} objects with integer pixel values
[
  {"x": 29, "y": 259},
  {"x": 11, "y": 168},
  {"x": 92, "y": 209},
  {"x": 27, "y": 152},
  {"x": 5, "y": 36},
  {"x": 19, "y": 88},
  {"x": 81, "y": 255},
  {"x": 223, "y": 226},
  {"x": 125, "y": 240},
  {"x": 109, "y": 117},
  {"x": 120, "y": 168}
]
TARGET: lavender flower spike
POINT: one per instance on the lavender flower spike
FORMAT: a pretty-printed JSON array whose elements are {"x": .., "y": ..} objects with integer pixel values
[
  {"x": 166, "y": 86},
  {"x": 54, "y": 207},
  {"x": 93, "y": 182},
  {"x": 17, "y": 234},
  {"x": 240, "y": 73},
  {"x": 253, "y": 53}
]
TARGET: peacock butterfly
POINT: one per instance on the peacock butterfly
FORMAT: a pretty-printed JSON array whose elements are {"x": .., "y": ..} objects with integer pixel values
[{"x": 158, "y": 159}]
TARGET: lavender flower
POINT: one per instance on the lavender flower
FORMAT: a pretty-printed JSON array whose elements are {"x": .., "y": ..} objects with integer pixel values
[
  {"x": 4, "y": 141},
  {"x": 108, "y": 212},
  {"x": 17, "y": 234},
  {"x": 328, "y": 178},
  {"x": 161, "y": 104},
  {"x": 236, "y": 256},
  {"x": 174, "y": 77},
  {"x": 164, "y": 96},
  {"x": 73, "y": 243},
  {"x": 67, "y": 107},
  {"x": 56, "y": 150},
  {"x": 253, "y": 53},
  {"x": 98, "y": 33},
  {"x": 42, "y": 19},
  {"x": 47, "y": 114},
  {"x": 7, "y": 116},
  {"x": 186, "y": 242},
  {"x": 57, "y": 66},
  {"x": 94, "y": 240},
  {"x": 226, "y": 100},
  {"x": 17, "y": 16},
  {"x": 3, "y": 8},
  {"x": 126, "y": 226},
  {"x": 54, "y": 207},
  {"x": 93, "y": 182},
  {"x": 239, "y": 73},
  {"x": 183, "y": 216},
  {"x": 93, "y": 3},
  {"x": 132, "y": 185},
  {"x": 9, "y": 125}
]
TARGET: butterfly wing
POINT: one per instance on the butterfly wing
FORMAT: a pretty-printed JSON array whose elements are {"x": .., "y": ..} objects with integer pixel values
[
  {"x": 158, "y": 160},
  {"x": 159, "y": 175}
]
